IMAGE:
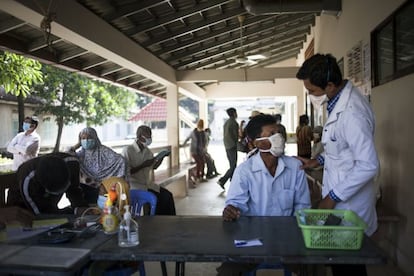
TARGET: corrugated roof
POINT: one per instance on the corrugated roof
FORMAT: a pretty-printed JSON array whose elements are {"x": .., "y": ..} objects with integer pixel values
[{"x": 155, "y": 111}]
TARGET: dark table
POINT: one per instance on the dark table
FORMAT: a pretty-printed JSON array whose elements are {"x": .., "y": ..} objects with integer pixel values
[
  {"x": 29, "y": 257},
  {"x": 210, "y": 239}
]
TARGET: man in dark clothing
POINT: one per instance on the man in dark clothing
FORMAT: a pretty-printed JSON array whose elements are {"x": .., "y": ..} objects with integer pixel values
[
  {"x": 42, "y": 181},
  {"x": 230, "y": 138}
]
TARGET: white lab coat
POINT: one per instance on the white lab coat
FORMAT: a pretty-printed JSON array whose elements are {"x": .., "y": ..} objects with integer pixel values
[
  {"x": 351, "y": 161},
  {"x": 24, "y": 147}
]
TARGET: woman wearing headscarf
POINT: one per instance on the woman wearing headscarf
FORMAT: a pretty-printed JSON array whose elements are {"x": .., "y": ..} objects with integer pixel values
[{"x": 97, "y": 162}]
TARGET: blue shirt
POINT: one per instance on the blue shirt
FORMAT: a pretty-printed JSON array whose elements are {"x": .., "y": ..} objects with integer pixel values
[{"x": 257, "y": 193}]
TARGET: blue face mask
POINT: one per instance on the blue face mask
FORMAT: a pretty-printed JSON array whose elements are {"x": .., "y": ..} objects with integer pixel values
[
  {"x": 26, "y": 126},
  {"x": 101, "y": 201},
  {"x": 88, "y": 143}
]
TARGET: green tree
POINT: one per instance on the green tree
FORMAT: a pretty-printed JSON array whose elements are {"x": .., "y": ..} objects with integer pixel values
[
  {"x": 18, "y": 76},
  {"x": 74, "y": 98}
]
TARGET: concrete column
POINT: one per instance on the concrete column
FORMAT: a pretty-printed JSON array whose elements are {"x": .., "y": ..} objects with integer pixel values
[
  {"x": 173, "y": 123},
  {"x": 203, "y": 111}
]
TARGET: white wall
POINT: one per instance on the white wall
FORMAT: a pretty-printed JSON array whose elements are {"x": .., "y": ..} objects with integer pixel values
[
  {"x": 392, "y": 104},
  {"x": 281, "y": 87},
  {"x": 357, "y": 20}
]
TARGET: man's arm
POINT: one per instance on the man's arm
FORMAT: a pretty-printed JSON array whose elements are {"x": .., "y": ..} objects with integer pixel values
[
  {"x": 30, "y": 147},
  {"x": 11, "y": 147}
]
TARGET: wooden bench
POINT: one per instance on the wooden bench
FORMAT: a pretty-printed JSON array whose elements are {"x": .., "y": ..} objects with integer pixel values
[{"x": 176, "y": 178}]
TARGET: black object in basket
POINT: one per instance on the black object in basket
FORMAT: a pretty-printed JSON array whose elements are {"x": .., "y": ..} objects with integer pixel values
[{"x": 319, "y": 236}]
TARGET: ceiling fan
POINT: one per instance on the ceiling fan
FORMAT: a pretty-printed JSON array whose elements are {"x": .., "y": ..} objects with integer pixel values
[{"x": 242, "y": 58}]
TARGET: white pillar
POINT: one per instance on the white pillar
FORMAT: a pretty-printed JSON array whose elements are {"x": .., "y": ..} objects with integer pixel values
[
  {"x": 173, "y": 123},
  {"x": 203, "y": 112}
]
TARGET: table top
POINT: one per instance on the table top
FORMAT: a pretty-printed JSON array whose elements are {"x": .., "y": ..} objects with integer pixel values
[
  {"x": 28, "y": 256},
  {"x": 210, "y": 239}
]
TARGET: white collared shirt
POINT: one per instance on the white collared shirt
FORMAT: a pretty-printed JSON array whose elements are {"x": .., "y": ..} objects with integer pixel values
[
  {"x": 24, "y": 147},
  {"x": 257, "y": 193},
  {"x": 135, "y": 157}
]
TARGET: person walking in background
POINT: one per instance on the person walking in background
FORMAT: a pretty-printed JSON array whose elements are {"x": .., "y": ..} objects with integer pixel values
[
  {"x": 141, "y": 162},
  {"x": 304, "y": 137},
  {"x": 97, "y": 162},
  {"x": 349, "y": 158},
  {"x": 244, "y": 144},
  {"x": 26, "y": 144},
  {"x": 317, "y": 147},
  {"x": 278, "y": 118},
  {"x": 198, "y": 149},
  {"x": 230, "y": 139},
  {"x": 211, "y": 165}
]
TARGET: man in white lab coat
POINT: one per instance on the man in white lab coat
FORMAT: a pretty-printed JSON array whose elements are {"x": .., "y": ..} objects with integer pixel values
[
  {"x": 350, "y": 159},
  {"x": 26, "y": 144}
]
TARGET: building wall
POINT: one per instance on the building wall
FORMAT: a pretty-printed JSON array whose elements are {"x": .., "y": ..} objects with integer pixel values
[
  {"x": 279, "y": 88},
  {"x": 392, "y": 104}
]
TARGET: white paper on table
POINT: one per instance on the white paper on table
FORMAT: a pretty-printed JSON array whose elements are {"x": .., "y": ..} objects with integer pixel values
[{"x": 247, "y": 243}]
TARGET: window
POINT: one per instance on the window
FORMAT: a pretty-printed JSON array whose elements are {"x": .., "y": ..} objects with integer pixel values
[{"x": 393, "y": 46}]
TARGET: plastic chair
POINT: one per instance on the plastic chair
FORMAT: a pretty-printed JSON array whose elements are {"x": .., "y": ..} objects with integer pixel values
[
  {"x": 268, "y": 266},
  {"x": 138, "y": 199}
]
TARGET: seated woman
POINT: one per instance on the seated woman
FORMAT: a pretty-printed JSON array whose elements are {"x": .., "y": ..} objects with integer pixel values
[{"x": 97, "y": 162}]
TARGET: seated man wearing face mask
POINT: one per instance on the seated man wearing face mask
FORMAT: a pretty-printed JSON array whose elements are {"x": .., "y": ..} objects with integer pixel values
[
  {"x": 268, "y": 183},
  {"x": 141, "y": 162}
]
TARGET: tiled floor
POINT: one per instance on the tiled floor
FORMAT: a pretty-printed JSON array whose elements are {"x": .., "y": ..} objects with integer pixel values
[{"x": 208, "y": 199}]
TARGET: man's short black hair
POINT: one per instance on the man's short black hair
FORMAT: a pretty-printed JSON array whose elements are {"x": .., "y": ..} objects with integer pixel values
[
  {"x": 278, "y": 117},
  {"x": 52, "y": 173},
  {"x": 303, "y": 119},
  {"x": 33, "y": 120},
  {"x": 320, "y": 69},
  {"x": 254, "y": 127},
  {"x": 143, "y": 129},
  {"x": 231, "y": 111}
]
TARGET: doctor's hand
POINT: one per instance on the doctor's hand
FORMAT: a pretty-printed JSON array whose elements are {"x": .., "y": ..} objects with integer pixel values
[
  {"x": 327, "y": 203},
  {"x": 308, "y": 163},
  {"x": 231, "y": 213}
]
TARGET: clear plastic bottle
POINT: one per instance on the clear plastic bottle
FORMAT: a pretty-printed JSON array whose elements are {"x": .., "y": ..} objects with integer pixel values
[{"x": 128, "y": 234}]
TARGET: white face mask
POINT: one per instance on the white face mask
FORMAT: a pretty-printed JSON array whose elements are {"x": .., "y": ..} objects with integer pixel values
[
  {"x": 318, "y": 101},
  {"x": 277, "y": 142},
  {"x": 148, "y": 141}
]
